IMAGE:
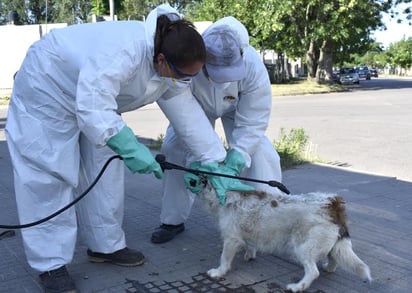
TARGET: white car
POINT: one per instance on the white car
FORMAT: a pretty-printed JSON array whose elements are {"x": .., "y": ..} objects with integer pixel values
[{"x": 348, "y": 75}]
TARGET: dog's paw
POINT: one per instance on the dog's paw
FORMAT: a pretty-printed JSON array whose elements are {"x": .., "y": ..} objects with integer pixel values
[
  {"x": 250, "y": 254},
  {"x": 329, "y": 267},
  {"x": 215, "y": 273},
  {"x": 295, "y": 287}
]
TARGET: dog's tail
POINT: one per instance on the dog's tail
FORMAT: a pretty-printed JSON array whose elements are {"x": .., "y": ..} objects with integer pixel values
[{"x": 344, "y": 256}]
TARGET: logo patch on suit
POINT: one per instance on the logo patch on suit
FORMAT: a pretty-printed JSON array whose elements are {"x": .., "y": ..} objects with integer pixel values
[{"x": 229, "y": 98}]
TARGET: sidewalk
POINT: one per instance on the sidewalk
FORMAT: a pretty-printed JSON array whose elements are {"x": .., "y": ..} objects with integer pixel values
[{"x": 379, "y": 211}]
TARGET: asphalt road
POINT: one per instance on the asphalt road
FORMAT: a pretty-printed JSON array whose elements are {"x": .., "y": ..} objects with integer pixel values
[{"x": 368, "y": 128}]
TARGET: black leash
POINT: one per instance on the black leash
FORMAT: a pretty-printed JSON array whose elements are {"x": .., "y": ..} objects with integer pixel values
[
  {"x": 161, "y": 159},
  {"x": 76, "y": 200}
]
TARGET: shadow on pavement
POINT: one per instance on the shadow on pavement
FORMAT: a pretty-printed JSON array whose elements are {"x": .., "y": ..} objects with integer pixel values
[{"x": 384, "y": 83}]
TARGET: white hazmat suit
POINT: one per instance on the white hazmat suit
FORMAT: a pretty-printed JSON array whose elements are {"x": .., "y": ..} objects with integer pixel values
[
  {"x": 244, "y": 107},
  {"x": 66, "y": 103}
]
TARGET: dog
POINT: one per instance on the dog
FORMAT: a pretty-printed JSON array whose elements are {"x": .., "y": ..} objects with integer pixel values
[{"x": 307, "y": 227}]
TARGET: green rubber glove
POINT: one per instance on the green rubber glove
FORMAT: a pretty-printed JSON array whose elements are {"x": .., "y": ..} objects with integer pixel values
[
  {"x": 235, "y": 161},
  {"x": 219, "y": 183},
  {"x": 135, "y": 155}
]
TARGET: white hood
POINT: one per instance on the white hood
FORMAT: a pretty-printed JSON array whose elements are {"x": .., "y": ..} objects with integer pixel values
[{"x": 232, "y": 24}]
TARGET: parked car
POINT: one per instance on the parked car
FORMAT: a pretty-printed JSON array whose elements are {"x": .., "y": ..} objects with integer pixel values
[
  {"x": 364, "y": 72},
  {"x": 335, "y": 76},
  {"x": 374, "y": 72},
  {"x": 348, "y": 75}
]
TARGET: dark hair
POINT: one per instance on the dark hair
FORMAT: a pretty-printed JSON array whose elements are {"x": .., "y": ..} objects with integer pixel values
[{"x": 179, "y": 41}]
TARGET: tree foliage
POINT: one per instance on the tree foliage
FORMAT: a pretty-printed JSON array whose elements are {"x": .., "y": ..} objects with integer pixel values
[
  {"x": 79, "y": 11},
  {"x": 400, "y": 54},
  {"x": 397, "y": 57},
  {"x": 320, "y": 31},
  {"x": 50, "y": 11}
]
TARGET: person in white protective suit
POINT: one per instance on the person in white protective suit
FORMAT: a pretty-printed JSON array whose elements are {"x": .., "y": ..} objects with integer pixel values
[
  {"x": 64, "y": 123},
  {"x": 234, "y": 86}
]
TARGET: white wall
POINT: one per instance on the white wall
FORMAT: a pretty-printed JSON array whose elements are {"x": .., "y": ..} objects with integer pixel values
[
  {"x": 201, "y": 26},
  {"x": 15, "y": 40}
]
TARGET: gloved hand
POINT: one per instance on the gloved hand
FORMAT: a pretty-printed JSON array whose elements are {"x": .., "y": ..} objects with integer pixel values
[
  {"x": 136, "y": 156},
  {"x": 219, "y": 183},
  {"x": 235, "y": 161}
]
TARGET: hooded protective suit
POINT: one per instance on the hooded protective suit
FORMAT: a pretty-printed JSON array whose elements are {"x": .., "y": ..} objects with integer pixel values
[
  {"x": 244, "y": 107},
  {"x": 66, "y": 103}
]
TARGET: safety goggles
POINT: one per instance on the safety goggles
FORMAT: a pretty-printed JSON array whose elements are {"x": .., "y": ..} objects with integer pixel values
[{"x": 176, "y": 71}]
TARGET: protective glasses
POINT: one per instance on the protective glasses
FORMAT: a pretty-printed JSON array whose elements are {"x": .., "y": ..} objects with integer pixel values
[
  {"x": 176, "y": 71},
  {"x": 205, "y": 72}
]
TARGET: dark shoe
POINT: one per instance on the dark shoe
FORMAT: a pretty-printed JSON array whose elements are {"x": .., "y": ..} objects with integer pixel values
[
  {"x": 165, "y": 233},
  {"x": 124, "y": 257},
  {"x": 58, "y": 281}
]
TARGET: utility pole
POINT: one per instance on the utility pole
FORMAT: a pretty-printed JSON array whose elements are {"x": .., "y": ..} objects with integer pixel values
[
  {"x": 111, "y": 9},
  {"x": 46, "y": 16}
]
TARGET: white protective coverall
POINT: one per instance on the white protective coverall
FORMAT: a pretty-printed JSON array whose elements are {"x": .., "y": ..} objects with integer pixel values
[
  {"x": 66, "y": 103},
  {"x": 244, "y": 108}
]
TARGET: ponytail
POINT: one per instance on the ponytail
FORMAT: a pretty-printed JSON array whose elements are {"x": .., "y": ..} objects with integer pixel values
[
  {"x": 163, "y": 23},
  {"x": 179, "y": 41}
]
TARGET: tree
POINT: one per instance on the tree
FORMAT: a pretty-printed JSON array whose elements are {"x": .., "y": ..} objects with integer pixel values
[
  {"x": 317, "y": 30},
  {"x": 133, "y": 10},
  {"x": 400, "y": 54},
  {"x": 373, "y": 57},
  {"x": 35, "y": 11},
  {"x": 99, "y": 7},
  {"x": 72, "y": 11},
  {"x": 12, "y": 5}
]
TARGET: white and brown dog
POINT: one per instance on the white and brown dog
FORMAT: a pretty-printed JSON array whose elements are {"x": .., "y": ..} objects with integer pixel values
[{"x": 308, "y": 227}]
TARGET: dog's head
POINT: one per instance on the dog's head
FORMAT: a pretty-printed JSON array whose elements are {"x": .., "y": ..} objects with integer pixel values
[
  {"x": 207, "y": 193},
  {"x": 232, "y": 198},
  {"x": 207, "y": 190}
]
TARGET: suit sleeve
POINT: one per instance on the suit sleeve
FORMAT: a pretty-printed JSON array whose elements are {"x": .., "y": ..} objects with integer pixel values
[{"x": 193, "y": 128}]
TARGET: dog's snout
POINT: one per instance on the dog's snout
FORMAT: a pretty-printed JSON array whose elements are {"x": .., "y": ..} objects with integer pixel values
[{"x": 193, "y": 182}]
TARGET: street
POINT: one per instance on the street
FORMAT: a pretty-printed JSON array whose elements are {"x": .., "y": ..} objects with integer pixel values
[{"x": 368, "y": 128}]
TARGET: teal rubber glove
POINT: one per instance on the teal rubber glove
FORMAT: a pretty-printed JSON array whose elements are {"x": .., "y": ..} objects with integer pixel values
[
  {"x": 135, "y": 155},
  {"x": 219, "y": 183},
  {"x": 235, "y": 161}
]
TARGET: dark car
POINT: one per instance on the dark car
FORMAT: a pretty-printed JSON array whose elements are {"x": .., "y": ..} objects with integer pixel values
[
  {"x": 364, "y": 72},
  {"x": 335, "y": 76},
  {"x": 374, "y": 72}
]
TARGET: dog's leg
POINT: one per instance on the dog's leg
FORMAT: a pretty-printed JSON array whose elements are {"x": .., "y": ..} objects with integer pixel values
[
  {"x": 311, "y": 273},
  {"x": 331, "y": 265},
  {"x": 250, "y": 253},
  {"x": 230, "y": 247}
]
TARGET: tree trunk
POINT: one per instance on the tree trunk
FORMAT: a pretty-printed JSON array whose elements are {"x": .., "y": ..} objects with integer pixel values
[
  {"x": 325, "y": 62},
  {"x": 286, "y": 67},
  {"x": 311, "y": 61}
]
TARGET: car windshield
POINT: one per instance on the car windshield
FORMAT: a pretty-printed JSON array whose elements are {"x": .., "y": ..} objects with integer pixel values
[{"x": 347, "y": 70}]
